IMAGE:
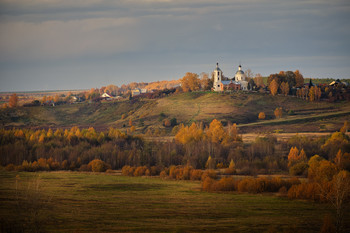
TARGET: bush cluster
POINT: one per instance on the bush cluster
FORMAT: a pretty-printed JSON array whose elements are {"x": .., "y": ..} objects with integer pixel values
[{"x": 250, "y": 185}]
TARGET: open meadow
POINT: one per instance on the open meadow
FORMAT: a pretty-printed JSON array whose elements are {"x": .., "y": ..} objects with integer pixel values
[{"x": 92, "y": 202}]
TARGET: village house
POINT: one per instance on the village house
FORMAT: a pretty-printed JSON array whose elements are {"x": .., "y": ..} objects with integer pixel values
[{"x": 238, "y": 82}]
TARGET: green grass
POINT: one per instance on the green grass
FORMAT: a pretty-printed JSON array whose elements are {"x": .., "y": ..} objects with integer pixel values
[
  {"x": 81, "y": 202},
  {"x": 239, "y": 107}
]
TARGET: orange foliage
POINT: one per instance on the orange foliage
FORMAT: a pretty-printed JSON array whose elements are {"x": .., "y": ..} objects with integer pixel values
[
  {"x": 190, "y": 82},
  {"x": 261, "y": 116},
  {"x": 278, "y": 112},
  {"x": 13, "y": 101},
  {"x": 273, "y": 87}
]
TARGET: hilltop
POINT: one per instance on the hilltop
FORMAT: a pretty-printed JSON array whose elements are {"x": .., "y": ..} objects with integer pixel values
[{"x": 238, "y": 107}]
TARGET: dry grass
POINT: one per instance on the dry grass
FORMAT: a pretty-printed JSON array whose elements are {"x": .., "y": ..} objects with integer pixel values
[{"x": 87, "y": 202}]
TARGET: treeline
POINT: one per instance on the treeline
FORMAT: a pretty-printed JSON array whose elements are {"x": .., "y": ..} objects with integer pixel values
[{"x": 199, "y": 146}]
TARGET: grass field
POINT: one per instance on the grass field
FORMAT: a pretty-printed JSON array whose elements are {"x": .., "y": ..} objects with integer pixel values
[
  {"x": 241, "y": 108},
  {"x": 83, "y": 202}
]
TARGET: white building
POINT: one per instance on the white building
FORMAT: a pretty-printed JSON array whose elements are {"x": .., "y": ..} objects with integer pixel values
[
  {"x": 217, "y": 78},
  {"x": 238, "y": 82}
]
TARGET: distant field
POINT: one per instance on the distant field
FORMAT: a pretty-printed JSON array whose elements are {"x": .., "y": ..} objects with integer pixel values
[
  {"x": 241, "y": 108},
  {"x": 83, "y": 202}
]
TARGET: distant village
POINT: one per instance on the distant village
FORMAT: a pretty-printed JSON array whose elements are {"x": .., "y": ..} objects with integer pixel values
[{"x": 282, "y": 83}]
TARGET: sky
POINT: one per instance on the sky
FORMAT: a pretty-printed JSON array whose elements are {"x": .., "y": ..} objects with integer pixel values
[{"x": 83, "y": 44}]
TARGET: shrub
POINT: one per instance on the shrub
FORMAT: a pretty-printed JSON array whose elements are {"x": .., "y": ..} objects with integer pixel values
[
  {"x": 163, "y": 174},
  {"x": 10, "y": 167},
  {"x": 128, "y": 171},
  {"x": 84, "y": 168},
  {"x": 231, "y": 169},
  {"x": 196, "y": 174},
  {"x": 209, "y": 173},
  {"x": 98, "y": 165},
  {"x": 207, "y": 184},
  {"x": 140, "y": 171}
]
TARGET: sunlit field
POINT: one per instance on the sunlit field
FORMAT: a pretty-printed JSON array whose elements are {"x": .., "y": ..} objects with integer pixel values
[{"x": 91, "y": 202}]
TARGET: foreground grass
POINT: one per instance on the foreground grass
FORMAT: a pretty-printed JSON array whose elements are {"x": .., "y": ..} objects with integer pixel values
[{"x": 79, "y": 202}]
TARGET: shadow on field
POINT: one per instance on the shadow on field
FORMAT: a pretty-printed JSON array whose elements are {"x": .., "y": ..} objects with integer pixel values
[{"x": 124, "y": 187}]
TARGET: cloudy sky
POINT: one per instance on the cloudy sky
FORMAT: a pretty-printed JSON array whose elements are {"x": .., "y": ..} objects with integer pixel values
[{"x": 78, "y": 44}]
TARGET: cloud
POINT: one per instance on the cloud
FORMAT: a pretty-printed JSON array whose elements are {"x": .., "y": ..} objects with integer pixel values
[{"x": 59, "y": 39}]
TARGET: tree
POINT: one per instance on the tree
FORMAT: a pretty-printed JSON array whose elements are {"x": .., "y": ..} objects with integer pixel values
[
  {"x": 273, "y": 87},
  {"x": 98, "y": 165},
  {"x": 285, "y": 88},
  {"x": 312, "y": 94},
  {"x": 56, "y": 99},
  {"x": 210, "y": 164},
  {"x": 278, "y": 112},
  {"x": 259, "y": 80},
  {"x": 293, "y": 156},
  {"x": 248, "y": 73},
  {"x": 231, "y": 168},
  {"x": 206, "y": 83},
  {"x": 261, "y": 116},
  {"x": 339, "y": 197},
  {"x": 216, "y": 132},
  {"x": 13, "y": 101},
  {"x": 190, "y": 82},
  {"x": 345, "y": 127},
  {"x": 299, "y": 79},
  {"x": 44, "y": 99}
]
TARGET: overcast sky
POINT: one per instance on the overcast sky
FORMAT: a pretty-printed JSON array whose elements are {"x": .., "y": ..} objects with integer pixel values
[{"x": 78, "y": 44}]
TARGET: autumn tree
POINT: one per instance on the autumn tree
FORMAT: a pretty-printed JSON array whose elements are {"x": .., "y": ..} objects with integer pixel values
[
  {"x": 345, "y": 127},
  {"x": 299, "y": 79},
  {"x": 248, "y": 73},
  {"x": 56, "y": 98},
  {"x": 206, "y": 83},
  {"x": 342, "y": 160},
  {"x": 285, "y": 88},
  {"x": 190, "y": 82},
  {"x": 278, "y": 112},
  {"x": 261, "y": 116},
  {"x": 231, "y": 168},
  {"x": 216, "y": 132},
  {"x": 312, "y": 94},
  {"x": 273, "y": 87},
  {"x": 13, "y": 101},
  {"x": 259, "y": 80},
  {"x": 210, "y": 164},
  {"x": 44, "y": 99}
]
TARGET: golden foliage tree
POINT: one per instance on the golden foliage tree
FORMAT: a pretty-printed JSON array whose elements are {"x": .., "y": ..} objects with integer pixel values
[
  {"x": 190, "y": 82},
  {"x": 273, "y": 87},
  {"x": 285, "y": 88},
  {"x": 345, "y": 127},
  {"x": 261, "y": 116},
  {"x": 13, "y": 101},
  {"x": 190, "y": 134},
  {"x": 299, "y": 79},
  {"x": 216, "y": 132},
  {"x": 278, "y": 112}
]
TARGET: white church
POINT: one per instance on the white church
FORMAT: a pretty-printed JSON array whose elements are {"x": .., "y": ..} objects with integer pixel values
[{"x": 238, "y": 82}]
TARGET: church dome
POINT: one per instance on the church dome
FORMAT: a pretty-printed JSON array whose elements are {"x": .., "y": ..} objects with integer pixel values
[{"x": 239, "y": 76}]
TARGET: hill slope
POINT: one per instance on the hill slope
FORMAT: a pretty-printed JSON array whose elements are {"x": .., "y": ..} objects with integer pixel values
[{"x": 240, "y": 108}]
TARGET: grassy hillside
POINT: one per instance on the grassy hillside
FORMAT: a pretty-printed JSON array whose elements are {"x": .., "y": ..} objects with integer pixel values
[
  {"x": 78, "y": 202},
  {"x": 240, "y": 108}
]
